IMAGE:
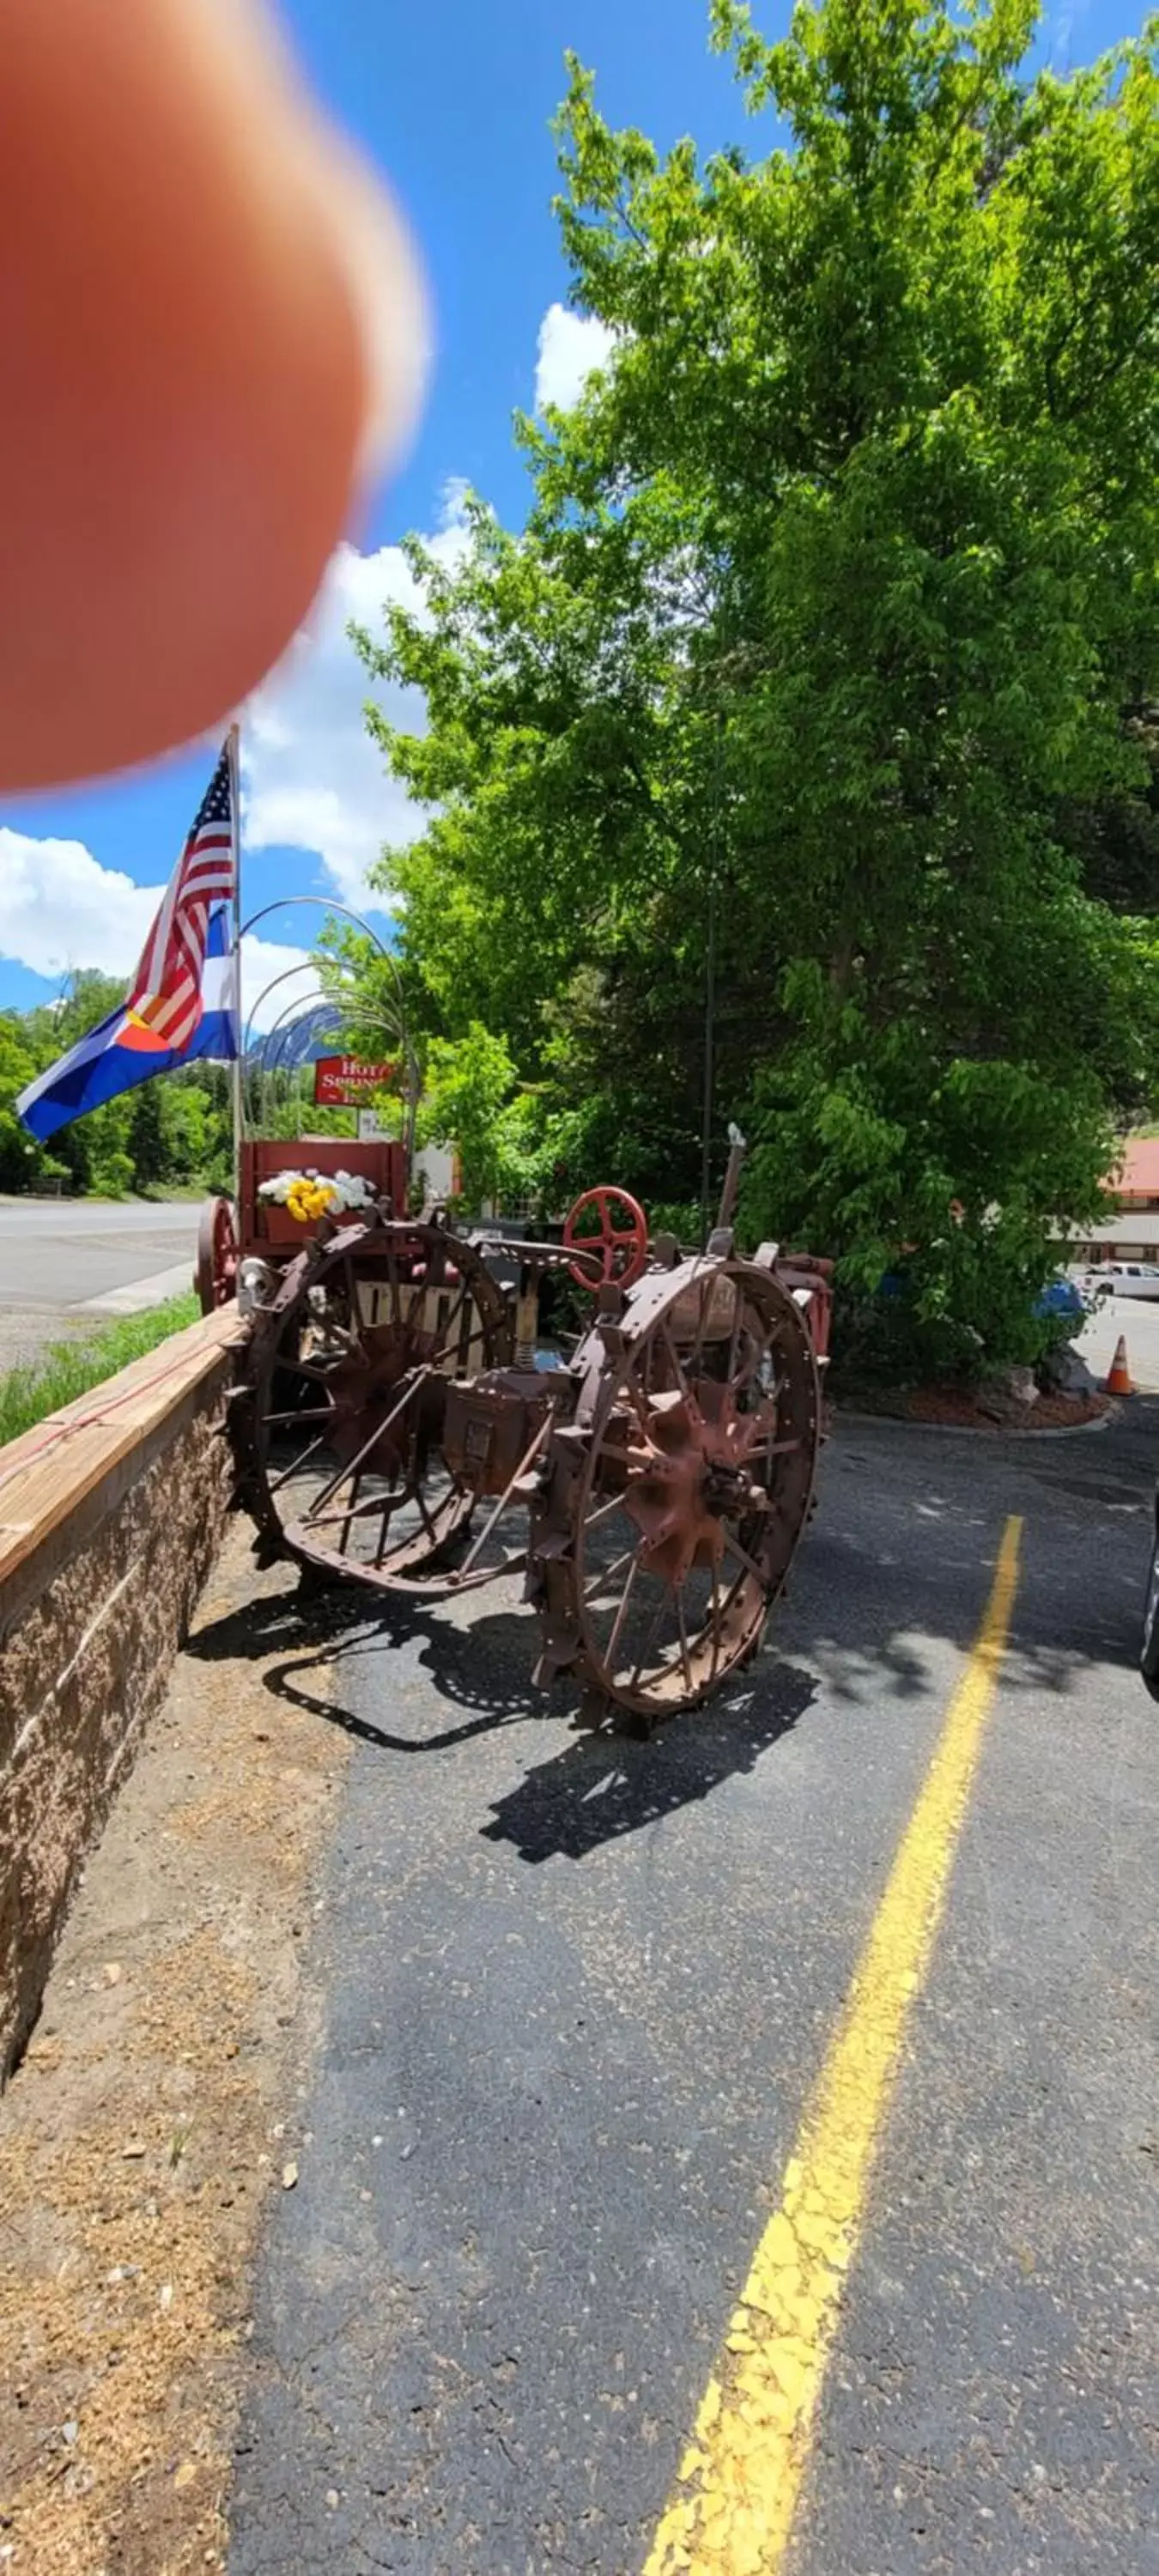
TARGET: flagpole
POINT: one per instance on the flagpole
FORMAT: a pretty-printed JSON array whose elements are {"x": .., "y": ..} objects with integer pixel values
[{"x": 238, "y": 1093}]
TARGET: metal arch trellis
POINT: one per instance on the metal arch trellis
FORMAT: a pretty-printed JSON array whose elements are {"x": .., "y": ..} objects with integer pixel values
[
  {"x": 280, "y": 1049},
  {"x": 326, "y": 1008},
  {"x": 397, "y": 1030},
  {"x": 325, "y": 1017}
]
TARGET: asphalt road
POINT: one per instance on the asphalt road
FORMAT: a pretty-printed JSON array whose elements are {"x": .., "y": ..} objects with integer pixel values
[
  {"x": 64, "y": 1261},
  {"x": 571, "y": 1996}
]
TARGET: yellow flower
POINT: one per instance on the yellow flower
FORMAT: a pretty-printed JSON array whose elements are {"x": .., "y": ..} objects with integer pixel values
[{"x": 307, "y": 1200}]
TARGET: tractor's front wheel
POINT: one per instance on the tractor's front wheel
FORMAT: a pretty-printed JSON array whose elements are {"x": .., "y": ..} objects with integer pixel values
[{"x": 670, "y": 1505}]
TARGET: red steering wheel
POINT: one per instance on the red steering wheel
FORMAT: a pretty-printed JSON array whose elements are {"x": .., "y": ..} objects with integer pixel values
[{"x": 621, "y": 1248}]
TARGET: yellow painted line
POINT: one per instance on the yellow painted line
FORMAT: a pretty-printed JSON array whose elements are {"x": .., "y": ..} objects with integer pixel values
[{"x": 740, "y": 2479}]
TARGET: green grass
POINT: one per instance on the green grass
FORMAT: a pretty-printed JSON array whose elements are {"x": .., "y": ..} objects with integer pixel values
[{"x": 69, "y": 1369}]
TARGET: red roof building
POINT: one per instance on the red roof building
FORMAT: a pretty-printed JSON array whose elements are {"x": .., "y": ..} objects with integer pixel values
[
  {"x": 1135, "y": 1181},
  {"x": 1133, "y": 1189}
]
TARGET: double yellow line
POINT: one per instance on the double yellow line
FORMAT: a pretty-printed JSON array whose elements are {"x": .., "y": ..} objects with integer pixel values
[{"x": 740, "y": 2478}]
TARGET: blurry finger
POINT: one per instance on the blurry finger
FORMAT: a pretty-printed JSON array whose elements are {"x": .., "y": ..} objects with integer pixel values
[{"x": 206, "y": 310}]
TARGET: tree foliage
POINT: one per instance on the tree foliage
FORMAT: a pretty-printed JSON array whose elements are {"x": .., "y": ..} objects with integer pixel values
[
  {"x": 833, "y": 622},
  {"x": 176, "y": 1131}
]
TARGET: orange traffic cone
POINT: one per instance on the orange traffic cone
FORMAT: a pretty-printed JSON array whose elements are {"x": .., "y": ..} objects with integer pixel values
[{"x": 1119, "y": 1381}]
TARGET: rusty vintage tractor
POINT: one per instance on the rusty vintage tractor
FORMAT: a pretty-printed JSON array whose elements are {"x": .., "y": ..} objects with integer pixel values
[{"x": 399, "y": 1426}]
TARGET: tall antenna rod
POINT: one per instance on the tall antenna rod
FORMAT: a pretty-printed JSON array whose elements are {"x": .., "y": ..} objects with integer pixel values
[
  {"x": 233, "y": 741},
  {"x": 710, "y": 997}
]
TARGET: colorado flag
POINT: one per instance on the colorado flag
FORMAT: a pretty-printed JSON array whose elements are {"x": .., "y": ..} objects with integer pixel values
[{"x": 184, "y": 1001}]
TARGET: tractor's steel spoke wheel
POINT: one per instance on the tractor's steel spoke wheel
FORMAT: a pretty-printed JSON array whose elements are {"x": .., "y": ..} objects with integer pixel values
[
  {"x": 671, "y": 1505},
  {"x": 339, "y": 1423}
]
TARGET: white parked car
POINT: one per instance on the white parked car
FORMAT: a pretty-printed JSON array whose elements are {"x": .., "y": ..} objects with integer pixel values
[{"x": 1121, "y": 1279}]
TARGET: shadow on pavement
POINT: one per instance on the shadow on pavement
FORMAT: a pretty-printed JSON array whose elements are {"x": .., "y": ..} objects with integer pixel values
[
  {"x": 860, "y": 1623},
  {"x": 603, "y": 1786},
  {"x": 294, "y": 1614},
  {"x": 902, "y": 1554},
  {"x": 592, "y": 1791},
  {"x": 597, "y": 1787},
  {"x": 334, "y": 1630}
]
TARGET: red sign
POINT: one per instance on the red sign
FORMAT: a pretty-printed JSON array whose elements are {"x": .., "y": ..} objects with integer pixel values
[{"x": 339, "y": 1080}]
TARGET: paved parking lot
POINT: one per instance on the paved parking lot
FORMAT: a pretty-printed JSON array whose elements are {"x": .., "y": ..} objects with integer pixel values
[{"x": 578, "y": 2002}]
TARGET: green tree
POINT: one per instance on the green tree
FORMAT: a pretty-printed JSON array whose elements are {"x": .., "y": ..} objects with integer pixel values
[
  {"x": 832, "y": 623},
  {"x": 18, "y": 1150},
  {"x": 177, "y": 1128},
  {"x": 468, "y": 1102},
  {"x": 87, "y": 997},
  {"x": 146, "y": 1137}
]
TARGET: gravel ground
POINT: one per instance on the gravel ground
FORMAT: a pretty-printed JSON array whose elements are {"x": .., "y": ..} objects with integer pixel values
[{"x": 141, "y": 2139}]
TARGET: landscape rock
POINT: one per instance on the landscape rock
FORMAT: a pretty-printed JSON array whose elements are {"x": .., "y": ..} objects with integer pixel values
[
  {"x": 1009, "y": 1394},
  {"x": 1064, "y": 1372}
]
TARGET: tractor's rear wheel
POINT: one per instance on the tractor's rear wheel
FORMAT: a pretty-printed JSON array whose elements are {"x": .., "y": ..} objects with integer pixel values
[{"x": 338, "y": 1427}]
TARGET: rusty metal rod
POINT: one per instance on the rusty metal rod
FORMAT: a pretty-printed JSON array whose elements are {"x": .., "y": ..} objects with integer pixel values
[
  {"x": 505, "y": 1496},
  {"x": 353, "y": 1463},
  {"x": 737, "y": 1149}
]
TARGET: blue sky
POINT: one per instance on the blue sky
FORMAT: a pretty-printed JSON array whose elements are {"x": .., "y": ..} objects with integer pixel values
[{"x": 452, "y": 100}]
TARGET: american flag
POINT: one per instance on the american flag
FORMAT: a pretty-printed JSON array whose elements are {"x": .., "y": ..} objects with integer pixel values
[{"x": 166, "y": 992}]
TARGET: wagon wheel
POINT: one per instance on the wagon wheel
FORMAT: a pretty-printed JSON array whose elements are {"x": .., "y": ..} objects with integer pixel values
[
  {"x": 338, "y": 1427},
  {"x": 215, "y": 1278},
  {"x": 671, "y": 1506}
]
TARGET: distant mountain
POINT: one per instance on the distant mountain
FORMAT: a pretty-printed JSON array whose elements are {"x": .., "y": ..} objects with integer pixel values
[{"x": 316, "y": 1032}]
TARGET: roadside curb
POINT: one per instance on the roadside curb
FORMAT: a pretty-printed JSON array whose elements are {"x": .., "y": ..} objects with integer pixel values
[{"x": 969, "y": 1431}]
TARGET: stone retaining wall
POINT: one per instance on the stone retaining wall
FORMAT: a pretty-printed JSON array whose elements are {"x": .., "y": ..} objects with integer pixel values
[{"x": 111, "y": 1513}]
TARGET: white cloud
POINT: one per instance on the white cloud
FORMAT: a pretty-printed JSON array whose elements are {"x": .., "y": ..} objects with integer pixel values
[
  {"x": 312, "y": 777},
  {"x": 1060, "y": 28},
  {"x": 313, "y": 780},
  {"x": 263, "y": 962},
  {"x": 60, "y": 909},
  {"x": 570, "y": 345}
]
